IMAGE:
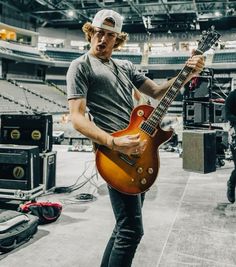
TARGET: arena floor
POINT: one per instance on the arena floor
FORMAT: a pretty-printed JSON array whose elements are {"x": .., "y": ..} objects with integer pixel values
[{"x": 187, "y": 219}]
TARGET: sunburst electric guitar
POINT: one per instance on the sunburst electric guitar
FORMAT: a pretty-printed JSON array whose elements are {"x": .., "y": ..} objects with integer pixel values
[{"x": 135, "y": 174}]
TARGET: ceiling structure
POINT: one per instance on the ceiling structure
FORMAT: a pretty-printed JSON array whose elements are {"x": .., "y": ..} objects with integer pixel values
[{"x": 139, "y": 15}]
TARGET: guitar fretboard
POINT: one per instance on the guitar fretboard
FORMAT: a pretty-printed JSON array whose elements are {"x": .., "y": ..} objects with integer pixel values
[{"x": 156, "y": 116}]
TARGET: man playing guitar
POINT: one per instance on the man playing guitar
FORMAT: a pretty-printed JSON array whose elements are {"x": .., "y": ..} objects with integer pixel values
[{"x": 104, "y": 85}]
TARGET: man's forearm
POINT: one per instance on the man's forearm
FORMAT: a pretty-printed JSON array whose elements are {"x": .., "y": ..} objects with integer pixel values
[{"x": 90, "y": 130}]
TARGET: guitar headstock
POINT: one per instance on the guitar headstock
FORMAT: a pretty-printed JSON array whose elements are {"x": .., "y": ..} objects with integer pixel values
[{"x": 209, "y": 38}]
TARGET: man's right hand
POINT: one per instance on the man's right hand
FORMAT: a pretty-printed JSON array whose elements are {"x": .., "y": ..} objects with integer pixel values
[{"x": 129, "y": 144}]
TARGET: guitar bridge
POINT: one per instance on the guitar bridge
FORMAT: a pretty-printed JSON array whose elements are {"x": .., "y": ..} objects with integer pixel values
[{"x": 127, "y": 159}]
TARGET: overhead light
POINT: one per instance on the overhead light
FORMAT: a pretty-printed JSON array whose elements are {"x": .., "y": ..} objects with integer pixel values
[
  {"x": 218, "y": 14},
  {"x": 197, "y": 26},
  {"x": 145, "y": 22},
  {"x": 44, "y": 24},
  {"x": 71, "y": 13},
  {"x": 42, "y": 2}
]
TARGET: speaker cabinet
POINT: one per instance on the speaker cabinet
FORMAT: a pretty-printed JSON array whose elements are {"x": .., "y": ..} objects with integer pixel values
[
  {"x": 32, "y": 130},
  {"x": 196, "y": 112},
  {"x": 216, "y": 112},
  {"x": 199, "y": 151},
  {"x": 204, "y": 112},
  {"x": 48, "y": 169},
  {"x": 19, "y": 167}
]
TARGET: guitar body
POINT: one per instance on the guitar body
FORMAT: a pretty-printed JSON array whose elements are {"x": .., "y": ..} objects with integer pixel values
[{"x": 133, "y": 174}]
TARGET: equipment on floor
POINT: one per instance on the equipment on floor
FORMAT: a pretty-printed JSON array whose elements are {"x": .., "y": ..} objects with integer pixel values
[
  {"x": 203, "y": 101},
  {"x": 198, "y": 112},
  {"x": 47, "y": 212},
  {"x": 16, "y": 228},
  {"x": 19, "y": 167},
  {"x": 58, "y": 137},
  {"x": 21, "y": 195},
  {"x": 47, "y": 169},
  {"x": 19, "y": 172},
  {"x": 25, "y": 129},
  {"x": 199, "y": 150}
]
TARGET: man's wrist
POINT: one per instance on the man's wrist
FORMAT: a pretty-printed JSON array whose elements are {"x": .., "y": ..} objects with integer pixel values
[
  {"x": 113, "y": 143},
  {"x": 110, "y": 142}
]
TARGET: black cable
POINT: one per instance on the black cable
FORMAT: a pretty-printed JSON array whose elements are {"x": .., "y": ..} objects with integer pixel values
[{"x": 75, "y": 186}]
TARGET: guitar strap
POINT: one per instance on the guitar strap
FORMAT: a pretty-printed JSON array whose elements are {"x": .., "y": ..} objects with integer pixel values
[{"x": 138, "y": 96}]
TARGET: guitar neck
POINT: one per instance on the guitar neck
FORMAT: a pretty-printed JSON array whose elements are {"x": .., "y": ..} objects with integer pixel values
[{"x": 158, "y": 113}]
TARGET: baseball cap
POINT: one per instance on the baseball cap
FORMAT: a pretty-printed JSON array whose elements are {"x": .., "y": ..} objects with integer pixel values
[{"x": 104, "y": 14}]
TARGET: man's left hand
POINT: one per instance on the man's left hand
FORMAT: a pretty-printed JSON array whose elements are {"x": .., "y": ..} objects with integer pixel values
[{"x": 196, "y": 63}]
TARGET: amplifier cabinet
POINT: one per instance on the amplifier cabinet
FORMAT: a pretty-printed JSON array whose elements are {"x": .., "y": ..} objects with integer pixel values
[
  {"x": 48, "y": 169},
  {"x": 216, "y": 112},
  {"x": 33, "y": 130},
  {"x": 196, "y": 112},
  {"x": 19, "y": 167},
  {"x": 204, "y": 112},
  {"x": 199, "y": 150}
]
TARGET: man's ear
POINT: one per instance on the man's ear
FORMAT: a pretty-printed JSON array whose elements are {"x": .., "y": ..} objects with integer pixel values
[{"x": 116, "y": 43}]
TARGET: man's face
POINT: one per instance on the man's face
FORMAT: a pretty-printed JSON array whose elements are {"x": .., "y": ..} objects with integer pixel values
[{"x": 102, "y": 43}]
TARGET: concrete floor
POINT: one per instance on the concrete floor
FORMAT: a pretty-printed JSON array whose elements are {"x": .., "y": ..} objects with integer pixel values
[{"x": 187, "y": 219}]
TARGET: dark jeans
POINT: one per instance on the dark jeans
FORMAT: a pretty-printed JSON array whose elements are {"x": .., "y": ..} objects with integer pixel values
[{"x": 128, "y": 230}]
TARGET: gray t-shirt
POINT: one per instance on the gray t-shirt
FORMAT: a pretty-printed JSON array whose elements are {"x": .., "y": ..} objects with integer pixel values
[{"x": 107, "y": 90}]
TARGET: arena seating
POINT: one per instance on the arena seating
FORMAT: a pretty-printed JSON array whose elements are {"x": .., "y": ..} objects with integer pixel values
[
  {"x": 62, "y": 55},
  {"x": 26, "y": 54},
  {"x": 167, "y": 60},
  {"x": 134, "y": 58},
  {"x": 68, "y": 56},
  {"x": 16, "y": 49},
  {"x": 26, "y": 97},
  {"x": 8, "y": 105},
  {"x": 225, "y": 57}
]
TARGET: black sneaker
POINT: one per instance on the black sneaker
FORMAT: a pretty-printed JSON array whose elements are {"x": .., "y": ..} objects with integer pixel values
[{"x": 231, "y": 192}]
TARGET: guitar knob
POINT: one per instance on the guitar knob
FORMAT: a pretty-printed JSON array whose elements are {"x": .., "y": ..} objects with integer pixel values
[
  {"x": 150, "y": 170},
  {"x": 140, "y": 112},
  {"x": 144, "y": 181},
  {"x": 140, "y": 170}
]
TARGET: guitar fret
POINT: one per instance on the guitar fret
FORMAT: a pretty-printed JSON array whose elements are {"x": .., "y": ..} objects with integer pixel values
[
  {"x": 166, "y": 103},
  {"x": 155, "y": 119},
  {"x": 178, "y": 81},
  {"x": 161, "y": 109},
  {"x": 151, "y": 122},
  {"x": 181, "y": 78},
  {"x": 185, "y": 73},
  {"x": 147, "y": 128}
]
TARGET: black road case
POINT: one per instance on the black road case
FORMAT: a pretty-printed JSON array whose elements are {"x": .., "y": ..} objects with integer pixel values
[
  {"x": 27, "y": 129},
  {"x": 19, "y": 167},
  {"x": 48, "y": 169}
]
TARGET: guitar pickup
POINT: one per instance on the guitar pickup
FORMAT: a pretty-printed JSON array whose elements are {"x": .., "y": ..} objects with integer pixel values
[{"x": 127, "y": 159}]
